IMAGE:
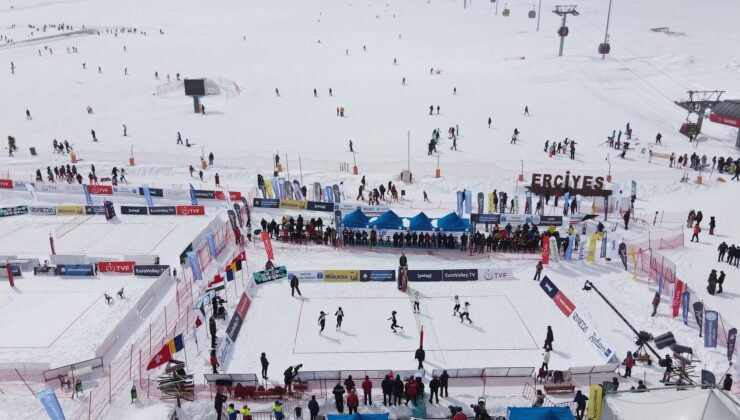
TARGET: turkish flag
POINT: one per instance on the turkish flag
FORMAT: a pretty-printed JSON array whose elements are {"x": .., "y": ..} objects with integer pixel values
[{"x": 162, "y": 357}]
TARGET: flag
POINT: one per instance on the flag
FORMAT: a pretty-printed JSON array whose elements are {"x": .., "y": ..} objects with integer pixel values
[
  {"x": 242, "y": 256},
  {"x": 201, "y": 317},
  {"x": 176, "y": 344},
  {"x": 731, "y": 338},
  {"x": 236, "y": 265},
  {"x": 163, "y": 356},
  {"x": 229, "y": 274},
  {"x": 217, "y": 284}
]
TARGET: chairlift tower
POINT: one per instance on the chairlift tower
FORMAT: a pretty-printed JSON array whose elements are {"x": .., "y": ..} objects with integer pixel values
[
  {"x": 698, "y": 103},
  {"x": 564, "y": 11}
]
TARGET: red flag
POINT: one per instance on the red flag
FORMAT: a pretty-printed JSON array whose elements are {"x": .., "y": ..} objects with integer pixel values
[
  {"x": 677, "y": 289},
  {"x": 545, "y": 249},
  {"x": 241, "y": 256},
  {"x": 216, "y": 279},
  {"x": 162, "y": 357},
  {"x": 268, "y": 245}
]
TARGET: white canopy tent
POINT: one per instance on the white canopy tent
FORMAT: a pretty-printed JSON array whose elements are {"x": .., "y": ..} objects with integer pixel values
[{"x": 692, "y": 404}]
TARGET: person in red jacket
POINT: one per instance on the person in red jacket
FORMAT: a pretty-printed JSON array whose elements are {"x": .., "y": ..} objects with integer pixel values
[
  {"x": 628, "y": 362},
  {"x": 410, "y": 390},
  {"x": 697, "y": 229},
  {"x": 353, "y": 402},
  {"x": 367, "y": 388},
  {"x": 214, "y": 361},
  {"x": 349, "y": 384},
  {"x": 460, "y": 416}
]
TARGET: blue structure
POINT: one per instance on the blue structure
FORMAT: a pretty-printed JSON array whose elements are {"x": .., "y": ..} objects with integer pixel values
[
  {"x": 356, "y": 220},
  {"x": 539, "y": 413},
  {"x": 420, "y": 222},
  {"x": 388, "y": 220},
  {"x": 453, "y": 223}
]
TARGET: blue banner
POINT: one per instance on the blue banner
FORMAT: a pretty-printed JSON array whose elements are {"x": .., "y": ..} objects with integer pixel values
[
  {"x": 195, "y": 265},
  {"x": 88, "y": 197},
  {"x": 377, "y": 275},
  {"x": 193, "y": 198},
  {"x": 14, "y": 268},
  {"x": 329, "y": 194},
  {"x": 566, "y": 203},
  {"x": 48, "y": 399},
  {"x": 460, "y": 199},
  {"x": 731, "y": 339},
  {"x": 75, "y": 270},
  {"x": 569, "y": 249},
  {"x": 660, "y": 284},
  {"x": 468, "y": 201},
  {"x": 147, "y": 195},
  {"x": 685, "y": 296},
  {"x": 711, "y": 322},
  {"x": 425, "y": 275},
  {"x": 211, "y": 243},
  {"x": 549, "y": 287}
]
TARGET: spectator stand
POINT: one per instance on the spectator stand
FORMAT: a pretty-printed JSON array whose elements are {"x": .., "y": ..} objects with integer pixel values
[
  {"x": 236, "y": 385},
  {"x": 68, "y": 375},
  {"x": 324, "y": 380}
]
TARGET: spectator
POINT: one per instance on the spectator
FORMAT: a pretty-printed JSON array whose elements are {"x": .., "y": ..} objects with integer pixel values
[
  {"x": 353, "y": 401},
  {"x": 313, "y": 407},
  {"x": 338, "y": 392},
  {"x": 367, "y": 388}
]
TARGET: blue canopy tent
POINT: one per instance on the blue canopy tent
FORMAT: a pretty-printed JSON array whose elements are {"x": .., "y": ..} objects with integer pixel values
[
  {"x": 539, "y": 413},
  {"x": 453, "y": 223},
  {"x": 388, "y": 220},
  {"x": 383, "y": 416},
  {"x": 420, "y": 222},
  {"x": 356, "y": 220}
]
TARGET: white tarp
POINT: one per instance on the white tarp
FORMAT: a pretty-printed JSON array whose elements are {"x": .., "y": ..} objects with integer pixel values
[{"x": 693, "y": 404}]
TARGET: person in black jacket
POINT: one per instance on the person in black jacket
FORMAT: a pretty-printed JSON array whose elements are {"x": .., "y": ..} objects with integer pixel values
[
  {"x": 420, "y": 355},
  {"x": 212, "y": 330},
  {"x": 444, "y": 380},
  {"x": 403, "y": 262},
  {"x": 580, "y": 401},
  {"x": 727, "y": 383},
  {"x": 218, "y": 404},
  {"x": 265, "y": 364},
  {"x": 294, "y": 285},
  {"x": 288, "y": 377},
  {"x": 338, "y": 392},
  {"x": 313, "y": 407},
  {"x": 398, "y": 388},
  {"x": 434, "y": 389},
  {"x": 387, "y": 386},
  {"x": 549, "y": 338}
]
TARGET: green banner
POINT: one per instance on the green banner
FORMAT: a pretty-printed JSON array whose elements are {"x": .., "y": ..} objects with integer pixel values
[{"x": 270, "y": 275}]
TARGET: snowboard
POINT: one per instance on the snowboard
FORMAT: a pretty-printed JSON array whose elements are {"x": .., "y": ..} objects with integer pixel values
[{"x": 480, "y": 203}]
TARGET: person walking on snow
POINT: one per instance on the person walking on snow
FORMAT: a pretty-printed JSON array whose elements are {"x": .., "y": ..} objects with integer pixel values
[
  {"x": 340, "y": 315},
  {"x": 465, "y": 314},
  {"x": 294, "y": 284},
  {"x": 696, "y": 231},
  {"x": 656, "y": 302},
  {"x": 322, "y": 321},
  {"x": 489, "y": 122},
  {"x": 420, "y": 355},
  {"x": 549, "y": 338},
  {"x": 538, "y": 271}
]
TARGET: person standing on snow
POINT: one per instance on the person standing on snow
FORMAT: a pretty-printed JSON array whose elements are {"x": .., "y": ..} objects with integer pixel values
[
  {"x": 696, "y": 231},
  {"x": 626, "y": 218},
  {"x": 367, "y": 388},
  {"x": 538, "y": 271},
  {"x": 338, "y": 392},
  {"x": 340, "y": 316},
  {"x": 656, "y": 302},
  {"x": 549, "y": 338},
  {"x": 420, "y": 355},
  {"x": 265, "y": 364},
  {"x": 293, "y": 279}
]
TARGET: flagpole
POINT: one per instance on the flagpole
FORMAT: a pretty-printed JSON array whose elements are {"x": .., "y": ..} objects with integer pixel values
[
  {"x": 195, "y": 335},
  {"x": 185, "y": 349}
]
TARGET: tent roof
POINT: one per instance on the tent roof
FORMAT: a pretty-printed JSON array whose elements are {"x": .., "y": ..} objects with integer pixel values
[
  {"x": 453, "y": 223},
  {"x": 388, "y": 220},
  {"x": 356, "y": 416},
  {"x": 693, "y": 404},
  {"x": 539, "y": 413},
  {"x": 356, "y": 219},
  {"x": 420, "y": 222}
]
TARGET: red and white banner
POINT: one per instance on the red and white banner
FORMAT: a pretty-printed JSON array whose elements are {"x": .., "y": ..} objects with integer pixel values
[
  {"x": 677, "y": 289},
  {"x": 125, "y": 267},
  {"x": 545, "y": 249},
  {"x": 242, "y": 307},
  {"x": 564, "y": 304},
  {"x": 6, "y": 183},
  {"x": 100, "y": 189},
  {"x": 268, "y": 244},
  {"x": 191, "y": 210},
  {"x": 233, "y": 195}
]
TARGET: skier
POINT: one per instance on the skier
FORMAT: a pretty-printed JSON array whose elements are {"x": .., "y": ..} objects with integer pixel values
[
  {"x": 200, "y": 175},
  {"x": 549, "y": 338},
  {"x": 658, "y": 137},
  {"x": 394, "y": 323},
  {"x": 656, "y": 302},
  {"x": 437, "y": 109},
  {"x": 265, "y": 364},
  {"x": 340, "y": 315},
  {"x": 322, "y": 321},
  {"x": 293, "y": 279},
  {"x": 28, "y": 115},
  {"x": 351, "y": 149},
  {"x": 456, "y": 308},
  {"x": 416, "y": 301},
  {"x": 538, "y": 271},
  {"x": 338, "y": 392},
  {"x": 431, "y": 109},
  {"x": 514, "y": 136},
  {"x": 331, "y": 93},
  {"x": 580, "y": 401},
  {"x": 315, "y": 94},
  {"x": 526, "y": 110},
  {"x": 277, "y": 92},
  {"x": 179, "y": 138},
  {"x": 465, "y": 313},
  {"x": 403, "y": 81}
]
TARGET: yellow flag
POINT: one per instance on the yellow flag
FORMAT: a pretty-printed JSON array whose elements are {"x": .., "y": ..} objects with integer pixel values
[{"x": 595, "y": 394}]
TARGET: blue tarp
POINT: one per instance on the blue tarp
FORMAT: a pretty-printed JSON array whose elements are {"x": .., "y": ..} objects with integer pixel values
[
  {"x": 420, "y": 222},
  {"x": 355, "y": 220},
  {"x": 539, "y": 413},
  {"x": 453, "y": 223},
  {"x": 383, "y": 416},
  {"x": 388, "y": 220}
]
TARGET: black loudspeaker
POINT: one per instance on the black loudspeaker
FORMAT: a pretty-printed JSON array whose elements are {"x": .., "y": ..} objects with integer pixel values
[
  {"x": 677, "y": 348},
  {"x": 664, "y": 340}
]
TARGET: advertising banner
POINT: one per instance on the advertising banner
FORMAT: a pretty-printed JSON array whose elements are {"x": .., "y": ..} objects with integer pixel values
[
  {"x": 699, "y": 315},
  {"x": 42, "y": 210},
  {"x": 711, "y": 323},
  {"x": 243, "y": 306},
  {"x": 193, "y": 196},
  {"x": 460, "y": 275},
  {"x": 685, "y": 296},
  {"x": 516, "y": 219},
  {"x": 146, "y": 192},
  {"x": 677, "y": 289},
  {"x": 549, "y": 287},
  {"x": 153, "y": 192},
  {"x": 233, "y": 195},
  {"x": 195, "y": 265},
  {"x": 162, "y": 211},
  {"x": 377, "y": 275},
  {"x": 319, "y": 206},
  {"x": 126, "y": 267},
  {"x": 77, "y": 270},
  {"x": 424, "y": 275},
  {"x": 268, "y": 244},
  {"x": 547, "y": 220},
  {"x": 224, "y": 350},
  {"x": 206, "y": 194},
  {"x": 134, "y": 210},
  {"x": 13, "y": 211},
  {"x": 15, "y": 269},
  {"x": 341, "y": 275},
  {"x": 190, "y": 210},
  {"x": 496, "y": 274},
  {"x": 100, "y": 189},
  {"x": 595, "y": 399},
  {"x": 70, "y": 210},
  {"x": 90, "y": 210},
  {"x": 731, "y": 339},
  {"x": 545, "y": 249},
  {"x": 272, "y": 274},
  {"x": 485, "y": 218},
  {"x": 268, "y": 203},
  {"x": 293, "y": 204},
  {"x": 6, "y": 184},
  {"x": 49, "y": 400},
  {"x": 88, "y": 197},
  {"x": 308, "y": 275},
  {"x": 45, "y": 271},
  {"x": 235, "y": 325},
  {"x": 211, "y": 243},
  {"x": 564, "y": 304},
  {"x": 150, "y": 270}
]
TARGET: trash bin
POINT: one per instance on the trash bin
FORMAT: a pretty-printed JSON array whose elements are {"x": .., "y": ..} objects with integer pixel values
[{"x": 298, "y": 411}]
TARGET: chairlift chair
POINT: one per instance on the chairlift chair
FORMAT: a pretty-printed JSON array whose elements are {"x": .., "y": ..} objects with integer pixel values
[{"x": 563, "y": 31}]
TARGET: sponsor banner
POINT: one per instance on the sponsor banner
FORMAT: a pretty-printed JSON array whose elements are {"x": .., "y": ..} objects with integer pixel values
[
  {"x": 341, "y": 275},
  {"x": 125, "y": 190},
  {"x": 242, "y": 307},
  {"x": 293, "y": 204},
  {"x": 233, "y": 195},
  {"x": 516, "y": 219},
  {"x": 268, "y": 245},
  {"x": 235, "y": 324},
  {"x": 190, "y": 210},
  {"x": 163, "y": 211},
  {"x": 269, "y": 203},
  {"x": 42, "y": 210},
  {"x": 270, "y": 275},
  {"x": 319, "y": 206},
  {"x": 207, "y": 194},
  {"x": 94, "y": 209},
  {"x": 100, "y": 189},
  {"x": 13, "y": 211},
  {"x": 49, "y": 400},
  {"x": 424, "y": 275},
  {"x": 460, "y": 275},
  {"x": 591, "y": 336},
  {"x": 368, "y": 210},
  {"x": 685, "y": 297},
  {"x": 70, "y": 210},
  {"x": 14, "y": 268},
  {"x": 496, "y": 274},
  {"x": 564, "y": 304},
  {"x": 711, "y": 322},
  {"x": 377, "y": 275},
  {"x": 6, "y": 184},
  {"x": 545, "y": 250},
  {"x": 699, "y": 314},
  {"x": 44, "y": 271},
  {"x": 485, "y": 218},
  {"x": 134, "y": 210},
  {"x": 75, "y": 270},
  {"x": 549, "y": 287},
  {"x": 595, "y": 400},
  {"x": 547, "y": 220},
  {"x": 150, "y": 270},
  {"x": 677, "y": 289},
  {"x": 154, "y": 192},
  {"x": 88, "y": 197},
  {"x": 224, "y": 350},
  {"x": 731, "y": 339},
  {"x": 308, "y": 275},
  {"x": 126, "y": 267},
  {"x": 179, "y": 194}
]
